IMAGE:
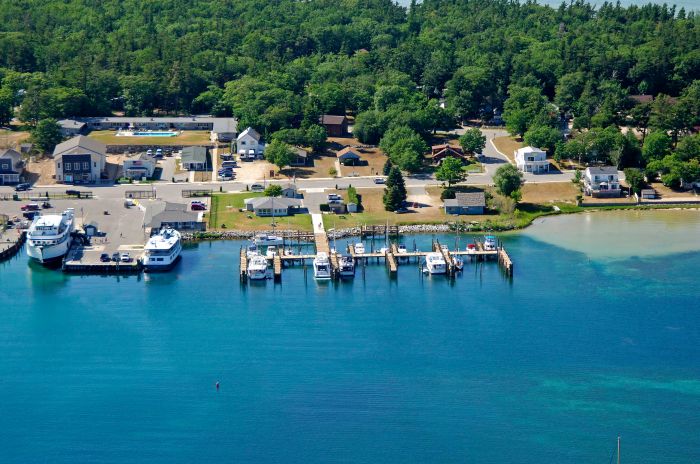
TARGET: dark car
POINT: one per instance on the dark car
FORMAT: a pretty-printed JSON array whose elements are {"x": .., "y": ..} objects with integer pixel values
[
  {"x": 22, "y": 187},
  {"x": 73, "y": 192},
  {"x": 30, "y": 214},
  {"x": 198, "y": 206},
  {"x": 115, "y": 257},
  {"x": 104, "y": 257}
]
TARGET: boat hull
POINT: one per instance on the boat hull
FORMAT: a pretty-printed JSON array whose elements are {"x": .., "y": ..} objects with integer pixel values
[
  {"x": 48, "y": 254},
  {"x": 161, "y": 267}
]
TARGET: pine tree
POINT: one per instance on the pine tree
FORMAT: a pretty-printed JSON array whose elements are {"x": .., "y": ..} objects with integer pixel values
[{"x": 395, "y": 193}]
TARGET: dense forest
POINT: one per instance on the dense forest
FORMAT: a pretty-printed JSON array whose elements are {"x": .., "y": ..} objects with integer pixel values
[{"x": 278, "y": 64}]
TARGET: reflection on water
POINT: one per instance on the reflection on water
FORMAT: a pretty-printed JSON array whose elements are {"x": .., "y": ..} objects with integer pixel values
[{"x": 621, "y": 234}]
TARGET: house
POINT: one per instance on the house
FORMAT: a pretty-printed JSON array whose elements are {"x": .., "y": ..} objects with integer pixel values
[
  {"x": 466, "y": 203},
  {"x": 174, "y": 215},
  {"x": 139, "y": 166},
  {"x": 221, "y": 129},
  {"x": 71, "y": 127},
  {"x": 648, "y": 194},
  {"x": 290, "y": 191},
  {"x": 272, "y": 206},
  {"x": 11, "y": 166},
  {"x": 336, "y": 126},
  {"x": 601, "y": 181},
  {"x": 79, "y": 160},
  {"x": 302, "y": 157},
  {"x": 249, "y": 145},
  {"x": 440, "y": 152},
  {"x": 348, "y": 157},
  {"x": 531, "y": 159},
  {"x": 194, "y": 158}
]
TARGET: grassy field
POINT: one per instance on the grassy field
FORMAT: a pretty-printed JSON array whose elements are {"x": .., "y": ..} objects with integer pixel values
[
  {"x": 550, "y": 192},
  {"x": 185, "y": 138},
  {"x": 10, "y": 138},
  {"x": 225, "y": 214},
  {"x": 507, "y": 145}
]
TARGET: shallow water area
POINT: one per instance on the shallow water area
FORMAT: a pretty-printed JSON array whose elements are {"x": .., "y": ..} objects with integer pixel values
[{"x": 623, "y": 233}]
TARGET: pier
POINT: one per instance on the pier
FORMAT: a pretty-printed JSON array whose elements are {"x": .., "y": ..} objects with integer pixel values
[
  {"x": 392, "y": 256},
  {"x": 9, "y": 246}
]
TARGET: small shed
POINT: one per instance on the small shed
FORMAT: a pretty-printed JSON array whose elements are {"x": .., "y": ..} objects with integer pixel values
[
  {"x": 348, "y": 157},
  {"x": 90, "y": 229},
  {"x": 466, "y": 203},
  {"x": 648, "y": 194}
]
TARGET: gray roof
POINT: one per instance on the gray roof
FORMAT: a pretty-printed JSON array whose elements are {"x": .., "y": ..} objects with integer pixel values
[
  {"x": 251, "y": 132},
  {"x": 70, "y": 124},
  {"x": 332, "y": 119},
  {"x": 648, "y": 192},
  {"x": 467, "y": 199},
  {"x": 141, "y": 157},
  {"x": 194, "y": 155},
  {"x": 83, "y": 142},
  {"x": 10, "y": 153},
  {"x": 605, "y": 170},
  {"x": 269, "y": 202},
  {"x": 301, "y": 152},
  {"x": 219, "y": 124},
  {"x": 164, "y": 211}
]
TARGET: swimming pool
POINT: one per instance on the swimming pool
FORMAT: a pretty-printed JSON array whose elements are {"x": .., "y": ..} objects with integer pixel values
[{"x": 127, "y": 133}]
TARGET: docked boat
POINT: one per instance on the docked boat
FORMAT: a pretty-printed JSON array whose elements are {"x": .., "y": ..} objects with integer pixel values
[
  {"x": 489, "y": 243},
  {"x": 49, "y": 237},
  {"x": 435, "y": 263},
  {"x": 402, "y": 248},
  {"x": 257, "y": 268},
  {"x": 347, "y": 266},
  {"x": 458, "y": 262},
  {"x": 251, "y": 250},
  {"x": 271, "y": 251},
  {"x": 162, "y": 250},
  {"x": 359, "y": 248},
  {"x": 322, "y": 266},
  {"x": 267, "y": 240}
]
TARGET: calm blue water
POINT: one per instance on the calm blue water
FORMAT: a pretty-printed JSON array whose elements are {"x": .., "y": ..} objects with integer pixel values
[{"x": 550, "y": 367}]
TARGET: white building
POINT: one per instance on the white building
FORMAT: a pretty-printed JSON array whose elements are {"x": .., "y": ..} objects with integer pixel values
[
  {"x": 531, "y": 159},
  {"x": 221, "y": 129},
  {"x": 139, "y": 166},
  {"x": 601, "y": 181},
  {"x": 249, "y": 144}
]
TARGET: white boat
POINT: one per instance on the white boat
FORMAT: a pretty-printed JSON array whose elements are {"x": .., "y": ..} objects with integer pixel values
[
  {"x": 383, "y": 250},
  {"x": 267, "y": 239},
  {"x": 257, "y": 268},
  {"x": 402, "y": 248},
  {"x": 489, "y": 243},
  {"x": 347, "y": 266},
  {"x": 271, "y": 251},
  {"x": 458, "y": 262},
  {"x": 49, "y": 237},
  {"x": 162, "y": 250},
  {"x": 359, "y": 248},
  {"x": 251, "y": 251},
  {"x": 322, "y": 266},
  {"x": 435, "y": 263}
]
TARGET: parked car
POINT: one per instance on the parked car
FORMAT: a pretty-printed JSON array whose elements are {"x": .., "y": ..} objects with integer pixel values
[
  {"x": 125, "y": 257},
  {"x": 229, "y": 164},
  {"x": 198, "y": 206},
  {"x": 334, "y": 197},
  {"x": 22, "y": 187},
  {"x": 30, "y": 214},
  {"x": 73, "y": 192},
  {"x": 115, "y": 256},
  {"x": 30, "y": 207},
  {"x": 149, "y": 152},
  {"x": 104, "y": 257},
  {"x": 257, "y": 188},
  {"x": 379, "y": 180}
]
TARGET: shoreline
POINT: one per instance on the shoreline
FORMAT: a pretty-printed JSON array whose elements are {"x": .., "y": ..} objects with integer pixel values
[{"x": 448, "y": 227}]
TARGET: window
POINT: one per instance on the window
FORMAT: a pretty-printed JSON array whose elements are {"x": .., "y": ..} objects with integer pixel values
[
  {"x": 59, "y": 165},
  {"x": 95, "y": 164},
  {"x": 86, "y": 165},
  {"x": 68, "y": 166},
  {"x": 242, "y": 142}
]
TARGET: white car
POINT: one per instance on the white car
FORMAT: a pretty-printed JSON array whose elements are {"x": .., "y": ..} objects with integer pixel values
[
  {"x": 379, "y": 180},
  {"x": 125, "y": 257}
]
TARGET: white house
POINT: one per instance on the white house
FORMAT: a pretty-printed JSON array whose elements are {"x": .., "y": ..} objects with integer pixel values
[
  {"x": 531, "y": 159},
  {"x": 139, "y": 166},
  {"x": 271, "y": 206},
  {"x": 601, "y": 181},
  {"x": 249, "y": 144},
  {"x": 79, "y": 160}
]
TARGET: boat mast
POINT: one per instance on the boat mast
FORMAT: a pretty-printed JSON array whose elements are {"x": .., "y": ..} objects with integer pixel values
[{"x": 618, "y": 450}]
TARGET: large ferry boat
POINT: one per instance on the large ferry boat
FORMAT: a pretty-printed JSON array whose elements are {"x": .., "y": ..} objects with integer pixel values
[
  {"x": 162, "y": 250},
  {"x": 49, "y": 237}
]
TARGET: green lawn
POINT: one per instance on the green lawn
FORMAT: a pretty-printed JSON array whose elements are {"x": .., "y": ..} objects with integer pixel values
[
  {"x": 109, "y": 137},
  {"x": 225, "y": 214}
]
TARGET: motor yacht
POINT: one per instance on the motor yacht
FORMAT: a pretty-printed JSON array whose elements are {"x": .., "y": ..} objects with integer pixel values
[
  {"x": 435, "y": 263},
  {"x": 322, "y": 266},
  {"x": 489, "y": 243},
  {"x": 257, "y": 268},
  {"x": 162, "y": 250},
  {"x": 347, "y": 266},
  {"x": 359, "y": 248}
]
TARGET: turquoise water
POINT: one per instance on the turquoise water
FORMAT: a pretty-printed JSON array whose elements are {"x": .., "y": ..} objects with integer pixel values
[{"x": 550, "y": 367}]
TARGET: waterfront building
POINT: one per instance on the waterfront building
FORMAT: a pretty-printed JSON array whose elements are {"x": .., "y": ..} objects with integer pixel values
[
  {"x": 164, "y": 214},
  {"x": 531, "y": 159},
  {"x": 601, "y": 181},
  {"x": 79, "y": 160},
  {"x": 11, "y": 166},
  {"x": 272, "y": 206},
  {"x": 466, "y": 203}
]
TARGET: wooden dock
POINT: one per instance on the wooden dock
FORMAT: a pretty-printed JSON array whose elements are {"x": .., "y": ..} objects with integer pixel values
[
  {"x": 12, "y": 246},
  {"x": 244, "y": 265},
  {"x": 505, "y": 261}
]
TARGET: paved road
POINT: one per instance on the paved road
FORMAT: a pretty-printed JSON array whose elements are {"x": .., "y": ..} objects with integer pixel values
[{"x": 172, "y": 191}]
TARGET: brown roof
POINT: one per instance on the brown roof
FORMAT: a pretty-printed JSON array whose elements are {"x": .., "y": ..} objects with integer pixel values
[
  {"x": 347, "y": 152},
  {"x": 642, "y": 98},
  {"x": 332, "y": 120}
]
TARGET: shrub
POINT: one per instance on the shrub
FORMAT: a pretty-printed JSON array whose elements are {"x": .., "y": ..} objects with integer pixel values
[{"x": 448, "y": 194}]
